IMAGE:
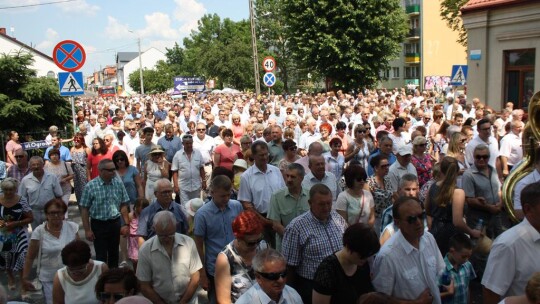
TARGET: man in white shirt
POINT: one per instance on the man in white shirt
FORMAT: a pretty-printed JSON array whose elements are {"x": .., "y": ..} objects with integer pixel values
[
  {"x": 483, "y": 137},
  {"x": 511, "y": 151},
  {"x": 401, "y": 167},
  {"x": 408, "y": 265},
  {"x": 533, "y": 177},
  {"x": 308, "y": 137}
]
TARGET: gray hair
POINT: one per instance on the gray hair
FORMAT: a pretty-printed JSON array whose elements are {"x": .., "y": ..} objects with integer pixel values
[
  {"x": 36, "y": 158},
  {"x": 102, "y": 163},
  {"x": 160, "y": 183},
  {"x": 163, "y": 218},
  {"x": 407, "y": 178},
  {"x": 295, "y": 166},
  {"x": 266, "y": 255},
  {"x": 481, "y": 147},
  {"x": 9, "y": 183},
  {"x": 451, "y": 130}
]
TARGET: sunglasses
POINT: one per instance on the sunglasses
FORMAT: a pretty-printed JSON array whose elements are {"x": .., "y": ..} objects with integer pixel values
[
  {"x": 273, "y": 276},
  {"x": 411, "y": 219},
  {"x": 253, "y": 243},
  {"x": 104, "y": 296},
  {"x": 19, "y": 156},
  {"x": 201, "y": 130},
  {"x": 479, "y": 157},
  {"x": 361, "y": 131}
]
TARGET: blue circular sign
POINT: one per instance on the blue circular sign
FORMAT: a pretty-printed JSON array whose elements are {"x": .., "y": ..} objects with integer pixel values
[{"x": 269, "y": 79}]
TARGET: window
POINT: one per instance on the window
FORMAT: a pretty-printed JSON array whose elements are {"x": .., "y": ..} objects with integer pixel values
[
  {"x": 395, "y": 72},
  {"x": 412, "y": 72},
  {"x": 519, "y": 77}
]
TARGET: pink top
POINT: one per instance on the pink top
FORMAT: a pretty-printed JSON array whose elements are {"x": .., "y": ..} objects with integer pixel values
[
  {"x": 12, "y": 146},
  {"x": 237, "y": 130},
  {"x": 227, "y": 155},
  {"x": 93, "y": 161}
]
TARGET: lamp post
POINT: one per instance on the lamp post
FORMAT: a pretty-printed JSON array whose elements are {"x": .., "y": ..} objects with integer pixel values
[
  {"x": 140, "y": 62},
  {"x": 254, "y": 46}
]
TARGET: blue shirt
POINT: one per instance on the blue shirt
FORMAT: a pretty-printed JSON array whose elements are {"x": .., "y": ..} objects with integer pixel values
[
  {"x": 391, "y": 159},
  {"x": 129, "y": 183},
  {"x": 65, "y": 155},
  {"x": 147, "y": 217},
  {"x": 255, "y": 294},
  {"x": 462, "y": 277},
  {"x": 103, "y": 199},
  {"x": 215, "y": 227},
  {"x": 170, "y": 146}
]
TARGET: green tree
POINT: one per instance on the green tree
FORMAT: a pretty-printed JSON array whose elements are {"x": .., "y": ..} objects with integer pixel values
[
  {"x": 156, "y": 80},
  {"x": 347, "y": 41},
  {"x": 26, "y": 98},
  {"x": 450, "y": 12}
]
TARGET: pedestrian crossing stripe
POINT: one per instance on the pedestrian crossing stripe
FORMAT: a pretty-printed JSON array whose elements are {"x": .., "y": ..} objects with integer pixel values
[{"x": 71, "y": 85}]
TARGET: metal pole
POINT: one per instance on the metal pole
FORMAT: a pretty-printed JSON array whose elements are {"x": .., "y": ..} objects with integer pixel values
[
  {"x": 72, "y": 99},
  {"x": 254, "y": 46},
  {"x": 140, "y": 66}
]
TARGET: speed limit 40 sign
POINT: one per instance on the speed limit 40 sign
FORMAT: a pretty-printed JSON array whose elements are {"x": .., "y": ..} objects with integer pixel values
[{"x": 269, "y": 64}]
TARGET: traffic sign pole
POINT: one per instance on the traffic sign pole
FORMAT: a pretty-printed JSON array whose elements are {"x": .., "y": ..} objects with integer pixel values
[{"x": 72, "y": 99}]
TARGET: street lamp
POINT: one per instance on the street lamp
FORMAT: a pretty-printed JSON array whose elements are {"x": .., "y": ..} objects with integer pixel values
[
  {"x": 140, "y": 62},
  {"x": 254, "y": 46}
]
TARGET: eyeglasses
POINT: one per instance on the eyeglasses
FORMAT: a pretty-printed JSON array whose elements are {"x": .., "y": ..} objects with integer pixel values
[
  {"x": 104, "y": 296},
  {"x": 479, "y": 157},
  {"x": 253, "y": 243},
  {"x": 19, "y": 156},
  {"x": 384, "y": 166},
  {"x": 411, "y": 219},
  {"x": 109, "y": 169},
  {"x": 273, "y": 276},
  {"x": 361, "y": 131},
  {"x": 201, "y": 130},
  {"x": 55, "y": 214}
]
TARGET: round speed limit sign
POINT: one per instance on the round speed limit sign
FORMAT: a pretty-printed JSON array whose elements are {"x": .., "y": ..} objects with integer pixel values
[{"x": 269, "y": 64}]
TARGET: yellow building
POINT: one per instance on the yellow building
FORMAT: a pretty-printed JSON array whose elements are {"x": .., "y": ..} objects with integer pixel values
[{"x": 429, "y": 50}]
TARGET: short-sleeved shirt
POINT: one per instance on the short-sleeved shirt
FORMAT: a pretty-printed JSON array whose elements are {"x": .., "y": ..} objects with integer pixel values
[
  {"x": 329, "y": 180},
  {"x": 141, "y": 153},
  {"x": 206, "y": 146},
  {"x": 215, "y": 227},
  {"x": 276, "y": 153},
  {"x": 476, "y": 184},
  {"x": 403, "y": 271},
  {"x": 462, "y": 276},
  {"x": 103, "y": 199},
  {"x": 307, "y": 241},
  {"x": 255, "y": 294},
  {"x": 530, "y": 178},
  {"x": 189, "y": 175},
  {"x": 493, "y": 150},
  {"x": 513, "y": 260},
  {"x": 331, "y": 280},
  {"x": 129, "y": 182},
  {"x": 147, "y": 217},
  {"x": 511, "y": 148},
  {"x": 65, "y": 154},
  {"x": 169, "y": 276},
  {"x": 170, "y": 146},
  {"x": 227, "y": 155},
  {"x": 396, "y": 171},
  {"x": 257, "y": 186},
  {"x": 37, "y": 193},
  {"x": 358, "y": 209}
]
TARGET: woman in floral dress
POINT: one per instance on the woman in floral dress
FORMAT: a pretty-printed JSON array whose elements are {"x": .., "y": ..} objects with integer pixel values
[{"x": 79, "y": 155}]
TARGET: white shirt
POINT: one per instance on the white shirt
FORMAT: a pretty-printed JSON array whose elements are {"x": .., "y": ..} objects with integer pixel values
[
  {"x": 396, "y": 171},
  {"x": 402, "y": 271},
  {"x": 206, "y": 146},
  {"x": 169, "y": 277},
  {"x": 511, "y": 148},
  {"x": 513, "y": 260},
  {"x": 307, "y": 139},
  {"x": 329, "y": 180},
  {"x": 530, "y": 178},
  {"x": 257, "y": 187},
  {"x": 189, "y": 176}
]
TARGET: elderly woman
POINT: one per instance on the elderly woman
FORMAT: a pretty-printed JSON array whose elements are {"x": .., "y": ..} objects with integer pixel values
[
  {"x": 356, "y": 204},
  {"x": 47, "y": 240},
  {"x": 335, "y": 161},
  {"x": 64, "y": 173},
  {"x": 115, "y": 284},
  {"x": 234, "y": 272},
  {"x": 421, "y": 160},
  {"x": 12, "y": 145},
  {"x": 156, "y": 167},
  {"x": 75, "y": 282},
  {"x": 359, "y": 150},
  {"x": 290, "y": 148},
  {"x": 15, "y": 215},
  {"x": 325, "y": 129},
  {"x": 379, "y": 185},
  {"x": 226, "y": 153},
  {"x": 345, "y": 275},
  {"x": 237, "y": 128}
]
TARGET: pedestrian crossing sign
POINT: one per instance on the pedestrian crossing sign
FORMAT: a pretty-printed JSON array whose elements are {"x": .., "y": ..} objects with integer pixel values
[
  {"x": 459, "y": 75},
  {"x": 70, "y": 83}
]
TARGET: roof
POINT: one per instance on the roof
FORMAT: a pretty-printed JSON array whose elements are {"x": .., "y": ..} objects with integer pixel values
[
  {"x": 126, "y": 56},
  {"x": 476, "y": 5},
  {"x": 25, "y": 46}
]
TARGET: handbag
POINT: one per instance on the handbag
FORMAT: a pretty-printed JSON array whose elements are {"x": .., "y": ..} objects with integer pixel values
[{"x": 36, "y": 282}]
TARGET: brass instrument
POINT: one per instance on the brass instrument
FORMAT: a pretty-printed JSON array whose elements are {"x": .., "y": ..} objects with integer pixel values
[{"x": 530, "y": 143}]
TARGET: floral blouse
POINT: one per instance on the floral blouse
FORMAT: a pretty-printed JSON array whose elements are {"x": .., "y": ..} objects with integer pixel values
[
  {"x": 382, "y": 197},
  {"x": 423, "y": 168}
]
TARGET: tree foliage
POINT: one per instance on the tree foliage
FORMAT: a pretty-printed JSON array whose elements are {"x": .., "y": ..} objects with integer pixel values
[
  {"x": 29, "y": 103},
  {"x": 156, "y": 80},
  {"x": 347, "y": 41},
  {"x": 450, "y": 12}
]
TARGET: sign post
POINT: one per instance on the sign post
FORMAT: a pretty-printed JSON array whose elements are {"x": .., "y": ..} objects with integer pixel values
[{"x": 70, "y": 56}]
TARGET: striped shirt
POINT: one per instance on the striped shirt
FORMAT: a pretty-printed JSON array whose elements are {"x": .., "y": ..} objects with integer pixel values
[
  {"x": 102, "y": 199},
  {"x": 307, "y": 241}
]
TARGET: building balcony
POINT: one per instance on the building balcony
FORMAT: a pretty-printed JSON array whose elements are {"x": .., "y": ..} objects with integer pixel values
[
  {"x": 414, "y": 33},
  {"x": 412, "y": 57},
  {"x": 413, "y": 9}
]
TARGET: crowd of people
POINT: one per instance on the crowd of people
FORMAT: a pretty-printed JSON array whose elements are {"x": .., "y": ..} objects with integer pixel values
[{"x": 383, "y": 196}]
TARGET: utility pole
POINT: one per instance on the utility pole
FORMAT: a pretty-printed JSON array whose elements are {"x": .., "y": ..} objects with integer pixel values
[
  {"x": 254, "y": 46},
  {"x": 140, "y": 66}
]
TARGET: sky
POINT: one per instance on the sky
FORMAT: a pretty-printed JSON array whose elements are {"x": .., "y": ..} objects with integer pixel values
[{"x": 103, "y": 27}]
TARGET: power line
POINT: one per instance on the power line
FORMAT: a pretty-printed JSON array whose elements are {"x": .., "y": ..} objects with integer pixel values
[
  {"x": 112, "y": 49},
  {"x": 38, "y": 4}
]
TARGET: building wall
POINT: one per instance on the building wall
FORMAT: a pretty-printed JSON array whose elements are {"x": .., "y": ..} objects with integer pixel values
[
  {"x": 149, "y": 60},
  {"x": 41, "y": 64},
  {"x": 493, "y": 32},
  {"x": 440, "y": 49}
]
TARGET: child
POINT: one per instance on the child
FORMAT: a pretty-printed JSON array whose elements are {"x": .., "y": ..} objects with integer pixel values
[
  {"x": 455, "y": 278},
  {"x": 239, "y": 167},
  {"x": 133, "y": 241}
]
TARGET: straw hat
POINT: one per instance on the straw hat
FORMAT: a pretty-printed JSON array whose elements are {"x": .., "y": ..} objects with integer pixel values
[
  {"x": 156, "y": 149},
  {"x": 193, "y": 205}
]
